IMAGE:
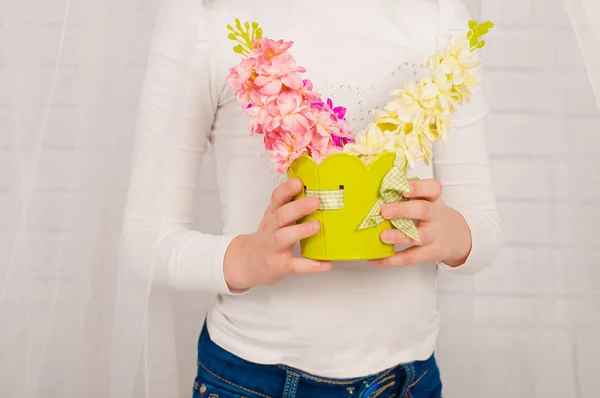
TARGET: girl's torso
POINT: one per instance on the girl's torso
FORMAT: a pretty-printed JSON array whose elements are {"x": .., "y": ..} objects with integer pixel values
[{"x": 357, "y": 319}]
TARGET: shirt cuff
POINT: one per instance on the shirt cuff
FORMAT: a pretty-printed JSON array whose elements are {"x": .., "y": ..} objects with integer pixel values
[
  {"x": 199, "y": 265},
  {"x": 484, "y": 246}
]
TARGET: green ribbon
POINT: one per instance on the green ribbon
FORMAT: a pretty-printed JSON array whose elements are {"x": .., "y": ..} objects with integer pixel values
[
  {"x": 393, "y": 186},
  {"x": 330, "y": 200}
]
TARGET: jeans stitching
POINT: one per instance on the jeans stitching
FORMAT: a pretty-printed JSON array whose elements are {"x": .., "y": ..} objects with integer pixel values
[
  {"x": 382, "y": 389},
  {"x": 409, "y": 379},
  {"x": 418, "y": 380},
  {"x": 294, "y": 385},
  {"x": 386, "y": 379},
  {"x": 381, "y": 378},
  {"x": 287, "y": 385},
  {"x": 233, "y": 384}
]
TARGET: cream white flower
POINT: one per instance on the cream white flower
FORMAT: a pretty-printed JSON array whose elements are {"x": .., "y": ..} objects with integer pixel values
[
  {"x": 410, "y": 104},
  {"x": 371, "y": 142},
  {"x": 420, "y": 113},
  {"x": 448, "y": 98},
  {"x": 436, "y": 125},
  {"x": 401, "y": 160},
  {"x": 411, "y": 148},
  {"x": 456, "y": 60},
  {"x": 406, "y": 104},
  {"x": 388, "y": 121}
]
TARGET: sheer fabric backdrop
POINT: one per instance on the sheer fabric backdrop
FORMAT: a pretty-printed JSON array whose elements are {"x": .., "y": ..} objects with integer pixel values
[{"x": 76, "y": 320}]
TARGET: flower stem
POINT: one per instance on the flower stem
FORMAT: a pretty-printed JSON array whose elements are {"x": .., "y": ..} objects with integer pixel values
[
  {"x": 244, "y": 35},
  {"x": 476, "y": 32}
]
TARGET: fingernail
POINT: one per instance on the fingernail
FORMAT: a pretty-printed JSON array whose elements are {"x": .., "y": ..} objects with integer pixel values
[
  {"x": 386, "y": 236},
  {"x": 325, "y": 266},
  {"x": 317, "y": 203},
  {"x": 315, "y": 225},
  {"x": 385, "y": 212}
]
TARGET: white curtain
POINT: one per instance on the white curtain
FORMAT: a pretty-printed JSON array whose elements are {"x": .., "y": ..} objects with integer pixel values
[
  {"x": 74, "y": 323},
  {"x": 584, "y": 16}
]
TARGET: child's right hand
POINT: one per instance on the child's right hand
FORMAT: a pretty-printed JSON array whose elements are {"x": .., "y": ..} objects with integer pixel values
[{"x": 265, "y": 257}]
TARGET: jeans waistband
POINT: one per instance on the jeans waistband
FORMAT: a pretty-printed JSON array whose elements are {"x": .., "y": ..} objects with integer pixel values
[{"x": 279, "y": 380}]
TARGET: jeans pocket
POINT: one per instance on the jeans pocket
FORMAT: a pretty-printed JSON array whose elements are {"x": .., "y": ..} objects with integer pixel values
[
  {"x": 211, "y": 385},
  {"x": 205, "y": 389}
]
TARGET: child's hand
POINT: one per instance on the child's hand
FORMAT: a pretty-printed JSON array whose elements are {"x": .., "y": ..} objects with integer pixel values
[
  {"x": 265, "y": 257},
  {"x": 444, "y": 233}
]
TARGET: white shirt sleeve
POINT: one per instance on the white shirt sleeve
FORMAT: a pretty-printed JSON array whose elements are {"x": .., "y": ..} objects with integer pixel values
[
  {"x": 463, "y": 167},
  {"x": 176, "y": 115}
]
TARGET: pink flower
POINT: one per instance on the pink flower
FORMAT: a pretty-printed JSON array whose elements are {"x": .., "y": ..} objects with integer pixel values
[
  {"x": 321, "y": 147},
  {"x": 239, "y": 74},
  {"x": 307, "y": 91},
  {"x": 338, "y": 111},
  {"x": 233, "y": 79},
  {"x": 280, "y": 71},
  {"x": 255, "y": 127},
  {"x": 291, "y": 113},
  {"x": 259, "y": 110},
  {"x": 341, "y": 141},
  {"x": 268, "y": 141},
  {"x": 248, "y": 96},
  {"x": 326, "y": 125},
  {"x": 287, "y": 150},
  {"x": 345, "y": 131},
  {"x": 284, "y": 108},
  {"x": 272, "y": 48},
  {"x": 270, "y": 138}
]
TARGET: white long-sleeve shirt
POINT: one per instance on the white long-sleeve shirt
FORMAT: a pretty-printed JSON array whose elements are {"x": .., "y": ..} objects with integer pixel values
[{"x": 356, "y": 319}]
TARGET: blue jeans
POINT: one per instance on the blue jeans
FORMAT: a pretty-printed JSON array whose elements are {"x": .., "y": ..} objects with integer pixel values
[{"x": 223, "y": 375}]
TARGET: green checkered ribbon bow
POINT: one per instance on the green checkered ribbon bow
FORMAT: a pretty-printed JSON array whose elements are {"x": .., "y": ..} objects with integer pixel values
[
  {"x": 393, "y": 186},
  {"x": 330, "y": 200}
]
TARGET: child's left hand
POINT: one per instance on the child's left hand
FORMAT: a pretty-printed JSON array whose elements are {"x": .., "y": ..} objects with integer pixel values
[{"x": 444, "y": 233}]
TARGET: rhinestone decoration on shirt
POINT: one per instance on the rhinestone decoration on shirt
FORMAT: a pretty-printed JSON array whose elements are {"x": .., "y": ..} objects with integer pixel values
[
  {"x": 363, "y": 96},
  {"x": 362, "y": 101}
]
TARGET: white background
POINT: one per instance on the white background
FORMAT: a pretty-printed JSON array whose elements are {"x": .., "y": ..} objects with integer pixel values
[
  {"x": 528, "y": 326},
  {"x": 70, "y": 80}
]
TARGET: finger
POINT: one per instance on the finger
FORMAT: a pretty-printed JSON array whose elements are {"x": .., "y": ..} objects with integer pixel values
[
  {"x": 297, "y": 265},
  {"x": 412, "y": 255},
  {"x": 283, "y": 194},
  {"x": 429, "y": 190},
  {"x": 289, "y": 236},
  {"x": 421, "y": 210},
  {"x": 397, "y": 237},
  {"x": 291, "y": 212}
]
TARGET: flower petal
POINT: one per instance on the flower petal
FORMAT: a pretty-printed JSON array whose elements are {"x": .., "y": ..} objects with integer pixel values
[
  {"x": 292, "y": 80},
  {"x": 271, "y": 88}
]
